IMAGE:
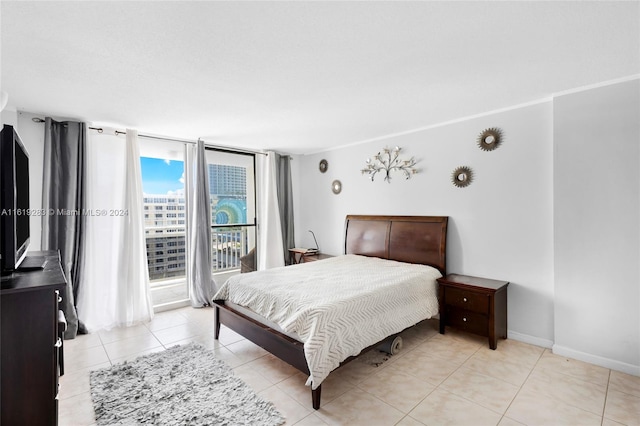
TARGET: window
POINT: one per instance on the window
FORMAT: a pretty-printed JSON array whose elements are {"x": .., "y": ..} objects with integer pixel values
[{"x": 162, "y": 166}]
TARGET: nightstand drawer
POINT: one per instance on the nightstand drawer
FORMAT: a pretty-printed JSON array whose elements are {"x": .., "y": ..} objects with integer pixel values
[
  {"x": 468, "y": 321},
  {"x": 466, "y": 299}
]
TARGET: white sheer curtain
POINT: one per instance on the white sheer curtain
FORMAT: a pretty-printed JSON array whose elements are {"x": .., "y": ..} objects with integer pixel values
[
  {"x": 270, "y": 244},
  {"x": 115, "y": 289},
  {"x": 202, "y": 287}
]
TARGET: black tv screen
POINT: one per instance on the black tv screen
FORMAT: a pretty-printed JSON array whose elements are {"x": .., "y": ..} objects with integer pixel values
[{"x": 14, "y": 197}]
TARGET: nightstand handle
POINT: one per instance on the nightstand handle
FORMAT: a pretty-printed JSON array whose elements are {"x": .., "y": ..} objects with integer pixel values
[
  {"x": 464, "y": 319},
  {"x": 464, "y": 299}
]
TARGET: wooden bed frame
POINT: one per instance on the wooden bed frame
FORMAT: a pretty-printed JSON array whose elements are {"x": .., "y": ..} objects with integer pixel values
[{"x": 411, "y": 239}]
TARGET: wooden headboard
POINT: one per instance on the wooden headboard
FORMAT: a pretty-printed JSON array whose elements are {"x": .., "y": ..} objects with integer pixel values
[{"x": 411, "y": 239}]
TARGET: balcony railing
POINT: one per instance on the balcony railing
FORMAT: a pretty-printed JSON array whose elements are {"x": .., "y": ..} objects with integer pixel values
[{"x": 166, "y": 249}]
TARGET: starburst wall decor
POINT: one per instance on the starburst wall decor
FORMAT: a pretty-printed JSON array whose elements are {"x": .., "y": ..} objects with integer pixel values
[{"x": 490, "y": 139}]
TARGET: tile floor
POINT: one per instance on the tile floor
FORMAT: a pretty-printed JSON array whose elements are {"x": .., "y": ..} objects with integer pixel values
[{"x": 451, "y": 379}]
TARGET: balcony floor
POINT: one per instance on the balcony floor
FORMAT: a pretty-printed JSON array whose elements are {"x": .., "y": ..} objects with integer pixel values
[{"x": 163, "y": 293}]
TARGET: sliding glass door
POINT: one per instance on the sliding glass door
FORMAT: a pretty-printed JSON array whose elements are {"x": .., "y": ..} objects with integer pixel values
[
  {"x": 231, "y": 178},
  {"x": 233, "y": 207}
]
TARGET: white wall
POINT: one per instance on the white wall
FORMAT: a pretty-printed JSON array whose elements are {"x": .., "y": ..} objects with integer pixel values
[
  {"x": 501, "y": 226},
  {"x": 597, "y": 228},
  {"x": 32, "y": 135},
  {"x": 9, "y": 117},
  {"x": 555, "y": 211}
]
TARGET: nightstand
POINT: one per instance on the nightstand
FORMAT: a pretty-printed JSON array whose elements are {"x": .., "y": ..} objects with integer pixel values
[
  {"x": 476, "y": 305},
  {"x": 297, "y": 255},
  {"x": 313, "y": 257}
]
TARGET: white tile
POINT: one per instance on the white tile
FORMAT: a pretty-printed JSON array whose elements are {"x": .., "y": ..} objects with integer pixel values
[
  {"x": 286, "y": 405},
  {"x": 426, "y": 367},
  {"x": 332, "y": 387},
  {"x": 625, "y": 383},
  {"x": 205, "y": 340},
  {"x": 76, "y": 411},
  {"x": 396, "y": 388},
  {"x": 77, "y": 382},
  {"x": 579, "y": 393},
  {"x": 121, "y": 333},
  {"x": 311, "y": 420},
  {"x": 572, "y": 367},
  {"x": 451, "y": 348},
  {"x": 133, "y": 345},
  {"x": 506, "y": 370},
  {"x": 489, "y": 392},
  {"x": 409, "y": 421},
  {"x": 252, "y": 377},
  {"x": 228, "y": 336},
  {"x": 623, "y": 408},
  {"x": 357, "y": 407},
  {"x": 273, "y": 368},
  {"x": 166, "y": 319},
  {"x": 436, "y": 379},
  {"x": 444, "y": 408},
  {"x": 246, "y": 350},
  {"x": 75, "y": 360},
  {"x": 169, "y": 336},
  {"x": 531, "y": 407},
  {"x": 83, "y": 341},
  {"x": 135, "y": 355}
]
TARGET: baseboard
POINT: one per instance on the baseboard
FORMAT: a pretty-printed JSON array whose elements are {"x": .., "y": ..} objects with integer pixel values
[
  {"x": 525, "y": 338},
  {"x": 597, "y": 360}
]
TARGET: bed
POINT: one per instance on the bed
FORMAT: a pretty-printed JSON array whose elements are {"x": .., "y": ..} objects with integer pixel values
[{"x": 396, "y": 260}]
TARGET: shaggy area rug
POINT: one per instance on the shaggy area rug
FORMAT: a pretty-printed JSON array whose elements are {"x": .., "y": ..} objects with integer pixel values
[{"x": 184, "y": 385}]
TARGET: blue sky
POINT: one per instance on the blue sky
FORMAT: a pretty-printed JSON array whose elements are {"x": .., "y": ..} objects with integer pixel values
[{"x": 160, "y": 176}]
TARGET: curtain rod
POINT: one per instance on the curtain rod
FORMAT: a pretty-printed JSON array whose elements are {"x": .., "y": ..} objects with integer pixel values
[{"x": 167, "y": 139}]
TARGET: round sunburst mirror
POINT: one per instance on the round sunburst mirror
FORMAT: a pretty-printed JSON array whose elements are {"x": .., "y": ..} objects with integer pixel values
[
  {"x": 462, "y": 176},
  {"x": 336, "y": 186},
  {"x": 323, "y": 166},
  {"x": 490, "y": 139}
]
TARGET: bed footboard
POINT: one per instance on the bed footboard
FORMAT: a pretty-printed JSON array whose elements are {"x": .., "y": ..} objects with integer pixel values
[{"x": 284, "y": 347}]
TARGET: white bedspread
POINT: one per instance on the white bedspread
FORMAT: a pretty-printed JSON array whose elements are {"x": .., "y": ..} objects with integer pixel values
[{"x": 338, "y": 306}]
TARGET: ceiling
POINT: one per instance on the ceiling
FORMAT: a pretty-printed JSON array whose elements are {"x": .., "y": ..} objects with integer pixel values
[{"x": 302, "y": 77}]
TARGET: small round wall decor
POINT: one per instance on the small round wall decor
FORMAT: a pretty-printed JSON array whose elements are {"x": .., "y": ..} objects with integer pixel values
[
  {"x": 462, "y": 176},
  {"x": 323, "y": 166},
  {"x": 490, "y": 139},
  {"x": 336, "y": 186}
]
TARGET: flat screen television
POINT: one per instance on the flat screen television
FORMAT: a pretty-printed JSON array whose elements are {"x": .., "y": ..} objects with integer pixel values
[{"x": 14, "y": 199}]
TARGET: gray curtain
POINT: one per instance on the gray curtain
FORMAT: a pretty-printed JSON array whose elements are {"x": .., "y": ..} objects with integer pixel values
[
  {"x": 202, "y": 287},
  {"x": 63, "y": 189},
  {"x": 285, "y": 203}
]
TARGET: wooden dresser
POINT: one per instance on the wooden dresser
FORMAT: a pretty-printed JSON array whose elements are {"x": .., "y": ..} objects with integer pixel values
[
  {"x": 476, "y": 305},
  {"x": 31, "y": 344}
]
